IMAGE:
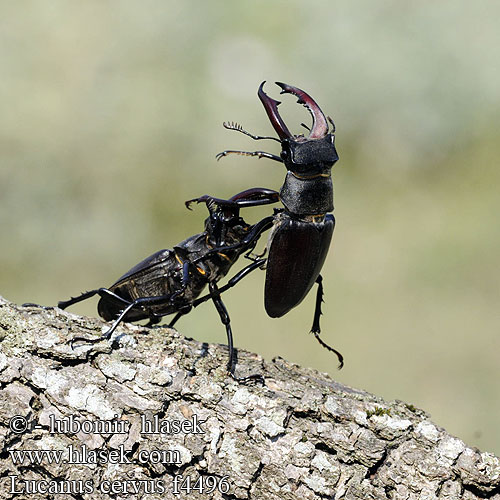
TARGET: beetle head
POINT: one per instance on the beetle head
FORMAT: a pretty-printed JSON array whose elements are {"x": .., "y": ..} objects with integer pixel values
[
  {"x": 222, "y": 222},
  {"x": 304, "y": 156}
]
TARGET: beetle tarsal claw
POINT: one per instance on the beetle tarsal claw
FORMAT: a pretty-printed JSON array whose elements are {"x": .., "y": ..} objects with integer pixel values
[
  {"x": 329, "y": 348},
  {"x": 33, "y": 304},
  {"x": 220, "y": 155},
  {"x": 93, "y": 340},
  {"x": 254, "y": 379}
]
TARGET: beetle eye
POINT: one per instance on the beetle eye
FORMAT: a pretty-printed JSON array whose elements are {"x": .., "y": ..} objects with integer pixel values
[{"x": 285, "y": 152}]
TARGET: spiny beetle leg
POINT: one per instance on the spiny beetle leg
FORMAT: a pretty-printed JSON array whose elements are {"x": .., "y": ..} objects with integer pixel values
[
  {"x": 316, "y": 330},
  {"x": 63, "y": 304},
  {"x": 317, "y": 308},
  {"x": 102, "y": 292}
]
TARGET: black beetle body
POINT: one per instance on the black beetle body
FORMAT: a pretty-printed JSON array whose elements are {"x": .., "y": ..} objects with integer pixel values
[
  {"x": 288, "y": 280},
  {"x": 303, "y": 229},
  {"x": 303, "y": 197},
  {"x": 170, "y": 281},
  {"x": 166, "y": 271}
]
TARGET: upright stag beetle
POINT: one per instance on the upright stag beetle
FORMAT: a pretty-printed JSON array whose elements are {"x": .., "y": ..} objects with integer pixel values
[
  {"x": 302, "y": 230},
  {"x": 169, "y": 281}
]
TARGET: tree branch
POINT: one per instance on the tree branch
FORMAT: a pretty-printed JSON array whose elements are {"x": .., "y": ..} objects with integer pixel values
[{"x": 301, "y": 435}]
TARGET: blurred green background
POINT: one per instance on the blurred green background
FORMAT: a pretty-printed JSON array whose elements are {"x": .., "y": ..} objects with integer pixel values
[{"x": 111, "y": 116}]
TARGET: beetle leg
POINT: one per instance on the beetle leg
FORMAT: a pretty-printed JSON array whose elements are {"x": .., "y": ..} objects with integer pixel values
[
  {"x": 232, "y": 282},
  {"x": 316, "y": 330},
  {"x": 259, "y": 154},
  {"x": 185, "y": 281},
  {"x": 317, "y": 309},
  {"x": 153, "y": 320},
  {"x": 33, "y": 304},
  {"x": 250, "y": 238},
  {"x": 224, "y": 317},
  {"x": 179, "y": 315},
  {"x": 63, "y": 304},
  {"x": 176, "y": 318},
  {"x": 255, "y": 256},
  {"x": 137, "y": 303},
  {"x": 109, "y": 332},
  {"x": 102, "y": 292}
]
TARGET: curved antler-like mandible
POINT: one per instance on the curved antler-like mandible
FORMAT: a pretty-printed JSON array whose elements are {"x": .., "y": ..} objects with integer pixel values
[
  {"x": 271, "y": 107},
  {"x": 320, "y": 126}
]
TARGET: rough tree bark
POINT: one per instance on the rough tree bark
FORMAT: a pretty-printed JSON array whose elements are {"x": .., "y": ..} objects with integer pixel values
[{"x": 301, "y": 435}]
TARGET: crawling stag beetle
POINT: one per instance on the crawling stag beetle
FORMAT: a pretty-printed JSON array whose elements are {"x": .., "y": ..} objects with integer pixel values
[
  {"x": 169, "y": 281},
  {"x": 302, "y": 230}
]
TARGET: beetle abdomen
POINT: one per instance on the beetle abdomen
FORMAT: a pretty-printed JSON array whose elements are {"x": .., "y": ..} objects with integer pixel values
[
  {"x": 296, "y": 255},
  {"x": 143, "y": 280}
]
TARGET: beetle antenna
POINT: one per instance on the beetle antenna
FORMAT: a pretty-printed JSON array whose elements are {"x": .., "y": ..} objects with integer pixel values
[
  {"x": 239, "y": 128},
  {"x": 259, "y": 154}
]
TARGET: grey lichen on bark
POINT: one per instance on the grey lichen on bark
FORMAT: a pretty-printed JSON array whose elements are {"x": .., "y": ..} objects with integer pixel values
[{"x": 300, "y": 435}]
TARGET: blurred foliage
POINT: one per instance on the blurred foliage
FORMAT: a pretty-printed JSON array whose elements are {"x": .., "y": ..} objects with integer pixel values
[{"x": 111, "y": 118}]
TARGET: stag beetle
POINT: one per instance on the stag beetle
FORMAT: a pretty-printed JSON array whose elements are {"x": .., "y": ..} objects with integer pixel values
[
  {"x": 169, "y": 281},
  {"x": 302, "y": 230}
]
